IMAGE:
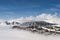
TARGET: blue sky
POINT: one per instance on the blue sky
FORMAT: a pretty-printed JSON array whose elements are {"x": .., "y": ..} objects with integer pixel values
[{"x": 18, "y": 8}]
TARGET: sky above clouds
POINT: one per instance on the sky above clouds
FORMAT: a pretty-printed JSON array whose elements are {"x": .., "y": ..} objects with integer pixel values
[{"x": 18, "y": 8}]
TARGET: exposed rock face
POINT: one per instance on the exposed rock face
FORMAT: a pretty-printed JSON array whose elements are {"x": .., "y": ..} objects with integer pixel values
[
  {"x": 36, "y": 26},
  {"x": 7, "y": 22},
  {"x": 15, "y": 27}
]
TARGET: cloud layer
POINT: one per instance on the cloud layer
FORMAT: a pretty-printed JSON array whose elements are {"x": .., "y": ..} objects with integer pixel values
[{"x": 42, "y": 17}]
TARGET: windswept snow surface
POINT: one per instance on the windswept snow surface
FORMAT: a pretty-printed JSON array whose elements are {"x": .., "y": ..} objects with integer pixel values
[{"x": 7, "y": 33}]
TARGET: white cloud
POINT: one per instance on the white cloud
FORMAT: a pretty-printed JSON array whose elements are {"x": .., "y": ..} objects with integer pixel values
[{"x": 42, "y": 17}]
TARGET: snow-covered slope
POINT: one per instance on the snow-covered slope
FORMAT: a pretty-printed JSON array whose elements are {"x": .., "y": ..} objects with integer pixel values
[{"x": 7, "y": 33}]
